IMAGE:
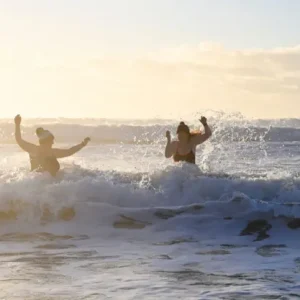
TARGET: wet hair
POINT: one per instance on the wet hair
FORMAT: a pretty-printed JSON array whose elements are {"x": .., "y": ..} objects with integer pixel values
[{"x": 182, "y": 127}]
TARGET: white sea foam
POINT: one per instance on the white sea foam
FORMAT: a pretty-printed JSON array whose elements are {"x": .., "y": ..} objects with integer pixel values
[{"x": 121, "y": 220}]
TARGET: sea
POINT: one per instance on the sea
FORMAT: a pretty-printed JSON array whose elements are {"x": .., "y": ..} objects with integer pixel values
[{"x": 120, "y": 221}]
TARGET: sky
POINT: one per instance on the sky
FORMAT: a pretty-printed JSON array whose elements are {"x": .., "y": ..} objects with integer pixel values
[{"x": 149, "y": 58}]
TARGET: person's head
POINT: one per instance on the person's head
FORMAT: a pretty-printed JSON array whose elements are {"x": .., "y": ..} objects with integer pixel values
[
  {"x": 183, "y": 132},
  {"x": 46, "y": 138}
]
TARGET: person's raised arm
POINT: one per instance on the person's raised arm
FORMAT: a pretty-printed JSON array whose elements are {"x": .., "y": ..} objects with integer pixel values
[
  {"x": 169, "y": 150},
  {"x": 201, "y": 138},
  {"x": 61, "y": 153},
  {"x": 26, "y": 146}
]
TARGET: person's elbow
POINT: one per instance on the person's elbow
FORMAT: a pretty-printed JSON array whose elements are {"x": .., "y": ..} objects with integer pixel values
[
  {"x": 18, "y": 138},
  {"x": 19, "y": 141},
  {"x": 205, "y": 137},
  {"x": 71, "y": 151},
  {"x": 168, "y": 155},
  {"x": 74, "y": 149}
]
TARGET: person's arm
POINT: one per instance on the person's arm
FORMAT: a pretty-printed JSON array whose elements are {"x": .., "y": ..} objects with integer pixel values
[
  {"x": 26, "y": 146},
  {"x": 169, "y": 150},
  {"x": 61, "y": 153},
  {"x": 201, "y": 138}
]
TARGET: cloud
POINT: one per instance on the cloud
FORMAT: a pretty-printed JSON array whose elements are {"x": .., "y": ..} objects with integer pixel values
[
  {"x": 256, "y": 82},
  {"x": 255, "y": 69}
]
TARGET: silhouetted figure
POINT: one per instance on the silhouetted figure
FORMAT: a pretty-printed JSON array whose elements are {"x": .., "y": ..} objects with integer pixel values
[
  {"x": 43, "y": 158},
  {"x": 185, "y": 148}
]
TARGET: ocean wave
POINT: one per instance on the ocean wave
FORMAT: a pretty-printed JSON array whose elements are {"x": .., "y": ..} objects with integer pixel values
[
  {"x": 109, "y": 197},
  {"x": 226, "y": 128},
  {"x": 149, "y": 134}
]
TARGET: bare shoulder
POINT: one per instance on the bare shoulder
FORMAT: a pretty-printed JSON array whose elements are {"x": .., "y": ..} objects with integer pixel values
[
  {"x": 196, "y": 136},
  {"x": 28, "y": 147},
  {"x": 197, "y": 139},
  {"x": 57, "y": 150}
]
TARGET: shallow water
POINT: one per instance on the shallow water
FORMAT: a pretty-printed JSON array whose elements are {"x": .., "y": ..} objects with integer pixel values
[{"x": 121, "y": 222}]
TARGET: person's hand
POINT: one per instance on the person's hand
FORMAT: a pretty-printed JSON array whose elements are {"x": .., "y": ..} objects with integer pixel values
[
  {"x": 18, "y": 120},
  {"x": 203, "y": 120},
  {"x": 86, "y": 141},
  {"x": 168, "y": 135}
]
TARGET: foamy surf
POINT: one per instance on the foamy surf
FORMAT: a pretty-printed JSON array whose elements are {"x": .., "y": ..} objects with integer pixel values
[
  {"x": 181, "y": 195},
  {"x": 120, "y": 220}
]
